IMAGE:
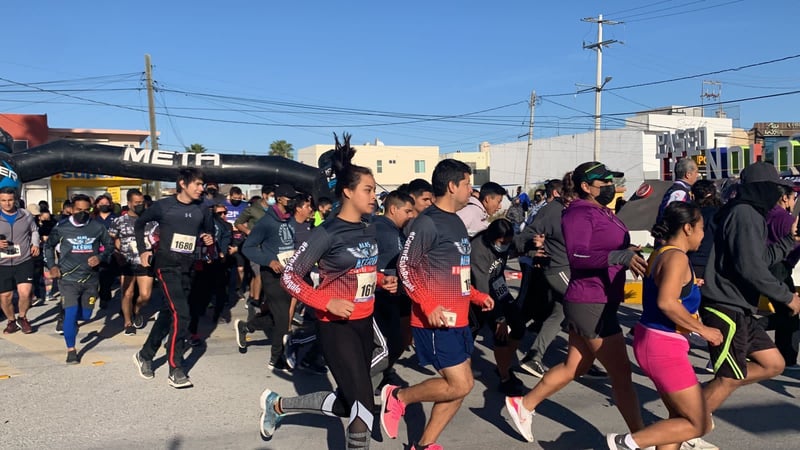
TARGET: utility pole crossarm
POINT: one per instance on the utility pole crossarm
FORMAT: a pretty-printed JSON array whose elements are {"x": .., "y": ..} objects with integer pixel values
[{"x": 598, "y": 48}]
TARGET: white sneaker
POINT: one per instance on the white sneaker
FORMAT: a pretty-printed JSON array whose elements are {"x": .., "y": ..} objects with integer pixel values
[
  {"x": 698, "y": 444},
  {"x": 522, "y": 419}
]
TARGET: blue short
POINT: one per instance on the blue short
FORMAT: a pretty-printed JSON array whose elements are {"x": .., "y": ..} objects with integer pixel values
[{"x": 443, "y": 347}]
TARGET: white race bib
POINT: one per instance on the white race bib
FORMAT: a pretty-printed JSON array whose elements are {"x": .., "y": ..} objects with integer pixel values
[
  {"x": 499, "y": 287},
  {"x": 182, "y": 243},
  {"x": 466, "y": 282},
  {"x": 365, "y": 291},
  {"x": 284, "y": 257},
  {"x": 15, "y": 252}
]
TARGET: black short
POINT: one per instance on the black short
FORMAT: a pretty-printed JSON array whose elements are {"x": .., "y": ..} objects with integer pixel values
[
  {"x": 74, "y": 293},
  {"x": 136, "y": 270},
  {"x": 592, "y": 320},
  {"x": 11, "y": 276},
  {"x": 741, "y": 337}
]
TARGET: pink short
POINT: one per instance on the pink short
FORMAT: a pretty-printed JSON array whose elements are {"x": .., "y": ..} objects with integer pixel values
[{"x": 664, "y": 357}]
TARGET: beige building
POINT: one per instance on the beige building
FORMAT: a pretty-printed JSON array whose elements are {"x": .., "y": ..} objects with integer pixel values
[
  {"x": 392, "y": 165},
  {"x": 478, "y": 161}
]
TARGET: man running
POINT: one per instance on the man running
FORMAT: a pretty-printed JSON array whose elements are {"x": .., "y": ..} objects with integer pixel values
[
  {"x": 435, "y": 269},
  {"x": 183, "y": 224},
  {"x": 19, "y": 243}
]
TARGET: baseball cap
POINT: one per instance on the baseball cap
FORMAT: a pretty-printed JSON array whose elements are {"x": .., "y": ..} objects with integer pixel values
[
  {"x": 590, "y": 171},
  {"x": 760, "y": 172},
  {"x": 285, "y": 190}
]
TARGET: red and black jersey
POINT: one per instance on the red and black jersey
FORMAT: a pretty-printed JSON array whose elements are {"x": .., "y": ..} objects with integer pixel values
[
  {"x": 347, "y": 254},
  {"x": 435, "y": 267}
]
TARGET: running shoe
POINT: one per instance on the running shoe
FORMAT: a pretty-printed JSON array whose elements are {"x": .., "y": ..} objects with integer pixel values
[
  {"x": 433, "y": 446},
  {"x": 270, "y": 419},
  {"x": 24, "y": 325},
  {"x": 617, "y": 442},
  {"x": 145, "y": 367},
  {"x": 241, "y": 333},
  {"x": 138, "y": 321},
  {"x": 72, "y": 357},
  {"x": 130, "y": 330},
  {"x": 595, "y": 373},
  {"x": 533, "y": 367},
  {"x": 391, "y": 411},
  {"x": 36, "y": 301},
  {"x": 698, "y": 444},
  {"x": 280, "y": 365},
  {"x": 60, "y": 325},
  {"x": 289, "y": 351},
  {"x": 12, "y": 327},
  {"x": 512, "y": 387},
  {"x": 195, "y": 340},
  {"x": 178, "y": 379},
  {"x": 521, "y": 418},
  {"x": 317, "y": 368}
]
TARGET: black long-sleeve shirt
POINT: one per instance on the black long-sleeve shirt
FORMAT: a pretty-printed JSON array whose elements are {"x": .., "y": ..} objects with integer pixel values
[
  {"x": 180, "y": 225},
  {"x": 76, "y": 244}
]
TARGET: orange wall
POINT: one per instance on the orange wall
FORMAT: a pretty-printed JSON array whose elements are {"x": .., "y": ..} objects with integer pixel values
[{"x": 30, "y": 127}]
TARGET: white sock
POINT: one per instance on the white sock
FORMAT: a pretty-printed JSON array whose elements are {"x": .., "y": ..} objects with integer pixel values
[{"x": 630, "y": 442}]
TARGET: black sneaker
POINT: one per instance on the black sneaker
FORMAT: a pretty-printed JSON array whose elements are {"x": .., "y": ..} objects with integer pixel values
[
  {"x": 317, "y": 368},
  {"x": 178, "y": 379},
  {"x": 595, "y": 373},
  {"x": 240, "y": 327},
  {"x": 617, "y": 442},
  {"x": 512, "y": 387},
  {"x": 138, "y": 321},
  {"x": 145, "y": 367},
  {"x": 195, "y": 341},
  {"x": 289, "y": 351},
  {"x": 72, "y": 357},
  {"x": 280, "y": 366},
  {"x": 533, "y": 367},
  {"x": 130, "y": 330},
  {"x": 60, "y": 326}
]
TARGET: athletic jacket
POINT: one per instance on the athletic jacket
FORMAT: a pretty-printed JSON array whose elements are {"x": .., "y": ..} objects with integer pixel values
[{"x": 24, "y": 233}]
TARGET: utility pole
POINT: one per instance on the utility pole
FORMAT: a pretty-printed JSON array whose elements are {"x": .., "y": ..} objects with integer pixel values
[
  {"x": 599, "y": 84},
  {"x": 530, "y": 142},
  {"x": 151, "y": 107}
]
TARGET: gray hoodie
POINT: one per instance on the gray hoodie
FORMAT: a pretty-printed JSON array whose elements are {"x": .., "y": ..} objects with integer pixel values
[{"x": 24, "y": 234}]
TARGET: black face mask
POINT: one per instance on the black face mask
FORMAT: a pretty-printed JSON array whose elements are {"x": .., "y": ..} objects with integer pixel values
[
  {"x": 138, "y": 210},
  {"x": 607, "y": 194},
  {"x": 104, "y": 208},
  {"x": 81, "y": 217},
  {"x": 236, "y": 202},
  {"x": 212, "y": 191}
]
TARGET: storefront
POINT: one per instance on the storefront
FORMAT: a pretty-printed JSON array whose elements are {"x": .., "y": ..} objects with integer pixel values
[{"x": 63, "y": 186}]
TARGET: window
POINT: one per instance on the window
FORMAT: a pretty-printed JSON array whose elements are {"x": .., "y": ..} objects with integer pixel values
[
  {"x": 419, "y": 166},
  {"x": 379, "y": 166}
]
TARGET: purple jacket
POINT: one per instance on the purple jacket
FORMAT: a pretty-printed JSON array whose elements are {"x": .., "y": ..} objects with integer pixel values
[
  {"x": 779, "y": 224},
  {"x": 590, "y": 233}
]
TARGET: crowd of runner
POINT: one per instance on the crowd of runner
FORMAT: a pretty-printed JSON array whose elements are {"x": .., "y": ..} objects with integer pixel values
[{"x": 347, "y": 285}]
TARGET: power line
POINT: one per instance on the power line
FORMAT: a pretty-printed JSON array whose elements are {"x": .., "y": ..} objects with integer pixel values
[
  {"x": 685, "y": 12},
  {"x": 659, "y": 10},
  {"x": 639, "y": 7}
]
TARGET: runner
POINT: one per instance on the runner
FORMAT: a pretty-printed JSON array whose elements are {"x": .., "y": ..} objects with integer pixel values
[
  {"x": 79, "y": 240},
  {"x": 183, "y": 224},
  {"x": 245, "y": 223},
  {"x": 478, "y": 211},
  {"x": 669, "y": 313},
  {"x": 134, "y": 275},
  {"x": 347, "y": 253},
  {"x": 103, "y": 213},
  {"x": 435, "y": 269},
  {"x": 19, "y": 243},
  {"x": 599, "y": 251}
]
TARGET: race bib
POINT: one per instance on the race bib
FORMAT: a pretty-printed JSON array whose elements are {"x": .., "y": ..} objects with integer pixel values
[
  {"x": 365, "y": 291},
  {"x": 12, "y": 251},
  {"x": 284, "y": 257},
  {"x": 499, "y": 287},
  {"x": 182, "y": 243},
  {"x": 466, "y": 282}
]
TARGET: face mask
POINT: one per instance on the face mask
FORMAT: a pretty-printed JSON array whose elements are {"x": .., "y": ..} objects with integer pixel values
[
  {"x": 138, "y": 210},
  {"x": 501, "y": 248},
  {"x": 81, "y": 217},
  {"x": 104, "y": 208},
  {"x": 271, "y": 201},
  {"x": 236, "y": 202},
  {"x": 607, "y": 194},
  {"x": 212, "y": 191}
]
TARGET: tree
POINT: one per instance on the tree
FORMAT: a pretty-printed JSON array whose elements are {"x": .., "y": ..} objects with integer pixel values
[
  {"x": 196, "y": 148},
  {"x": 281, "y": 148}
]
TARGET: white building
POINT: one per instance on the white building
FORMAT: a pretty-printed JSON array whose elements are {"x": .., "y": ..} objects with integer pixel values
[{"x": 631, "y": 149}]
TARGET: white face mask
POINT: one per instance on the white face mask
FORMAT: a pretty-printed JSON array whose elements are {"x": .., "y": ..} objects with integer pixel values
[
  {"x": 501, "y": 248},
  {"x": 271, "y": 201}
]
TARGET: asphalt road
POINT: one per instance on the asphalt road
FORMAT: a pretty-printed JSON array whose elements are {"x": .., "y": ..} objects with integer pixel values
[{"x": 103, "y": 403}]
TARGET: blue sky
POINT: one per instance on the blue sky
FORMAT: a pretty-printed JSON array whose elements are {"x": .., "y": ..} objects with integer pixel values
[{"x": 407, "y": 73}]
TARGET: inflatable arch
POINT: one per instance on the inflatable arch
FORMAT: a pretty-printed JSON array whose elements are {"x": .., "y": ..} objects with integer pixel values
[{"x": 68, "y": 156}]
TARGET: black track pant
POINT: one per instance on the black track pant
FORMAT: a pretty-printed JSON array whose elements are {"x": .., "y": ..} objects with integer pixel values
[
  {"x": 173, "y": 320},
  {"x": 279, "y": 302}
]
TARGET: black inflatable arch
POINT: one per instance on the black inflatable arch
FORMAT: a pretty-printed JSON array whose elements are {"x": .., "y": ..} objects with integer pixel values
[{"x": 71, "y": 156}]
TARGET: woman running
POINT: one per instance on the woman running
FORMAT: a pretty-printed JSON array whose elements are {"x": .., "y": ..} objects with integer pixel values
[
  {"x": 670, "y": 303},
  {"x": 599, "y": 251},
  {"x": 347, "y": 253}
]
